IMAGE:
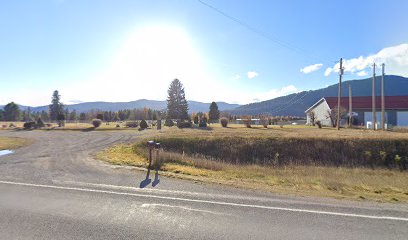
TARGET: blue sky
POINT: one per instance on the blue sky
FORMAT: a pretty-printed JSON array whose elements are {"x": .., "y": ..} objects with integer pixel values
[{"x": 128, "y": 50}]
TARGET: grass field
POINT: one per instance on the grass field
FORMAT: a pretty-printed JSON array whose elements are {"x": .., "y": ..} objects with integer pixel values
[
  {"x": 12, "y": 143},
  {"x": 339, "y": 182},
  {"x": 350, "y": 183},
  {"x": 286, "y": 131},
  {"x": 240, "y": 130}
]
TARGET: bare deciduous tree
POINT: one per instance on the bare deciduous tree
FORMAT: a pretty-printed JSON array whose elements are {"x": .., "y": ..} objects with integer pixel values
[
  {"x": 333, "y": 115},
  {"x": 312, "y": 117}
]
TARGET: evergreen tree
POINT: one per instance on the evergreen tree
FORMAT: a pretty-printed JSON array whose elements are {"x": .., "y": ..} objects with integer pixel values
[
  {"x": 26, "y": 115},
  {"x": 11, "y": 112},
  {"x": 66, "y": 113},
  {"x": 2, "y": 115},
  {"x": 82, "y": 116},
  {"x": 73, "y": 115},
  {"x": 44, "y": 116},
  {"x": 56, "y": 108},
  {"x": 107, "y": 116},
  {"x": 177, "y": 106},
  {"x": 99, "y": 116},
  {"x": 214, "y": 114},
  {"x": 116, "y": 117}
]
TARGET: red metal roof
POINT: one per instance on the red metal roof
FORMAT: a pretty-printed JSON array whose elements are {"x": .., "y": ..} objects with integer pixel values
[{"x": 391, "y": 102}]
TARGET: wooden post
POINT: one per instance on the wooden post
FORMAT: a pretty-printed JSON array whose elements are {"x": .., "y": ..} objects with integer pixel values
[
  {"x": 350, "y": 108},
  {"x": 339, "y": 94},
  {"x": 373, "y": 99},
  {"x": 382, "y": 99}
]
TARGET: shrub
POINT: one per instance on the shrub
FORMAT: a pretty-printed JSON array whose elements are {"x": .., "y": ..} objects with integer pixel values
[
  {"x": 117, "y": 125},
  {"x": 247, "y": 121},
  {"x": 397, "y": 160},
  {"x": 383, "y": 156},
  {"x": 264, "y": 121},
  {"x": 40, "y": 123},
  {"x": 320, "y": 152},
  {"x": 131, "y": 124},
  {"x": 203, "y": 122},
  {"x": 96, "y": 122},
  {"x": 318, "y": 123},
  {"x": 143, "y": 124},
  {"x": 29, "y": 125},
  {"x": 169, "y": 123},
  {"x": 159, "y": 124},
  {"x": 195, "y": 119},
  {"x": 184, "y": 124},
  {"x": 11, "y": 125},
  {"x": 224, "y": 122}
]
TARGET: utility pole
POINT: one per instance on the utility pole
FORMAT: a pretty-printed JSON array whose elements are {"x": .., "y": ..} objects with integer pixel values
[
  {"x": 382, "y": 98},
  {"x": 339, "y": 95},
  {"x": 373, "y": 98},
  {"x": 350, "y": 108}
]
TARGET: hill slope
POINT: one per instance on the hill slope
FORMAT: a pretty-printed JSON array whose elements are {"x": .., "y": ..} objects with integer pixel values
[{"x": 296, "y": 104}]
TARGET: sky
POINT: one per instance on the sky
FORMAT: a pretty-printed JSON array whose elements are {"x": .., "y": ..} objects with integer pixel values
[{"x": 237, "y": 51}]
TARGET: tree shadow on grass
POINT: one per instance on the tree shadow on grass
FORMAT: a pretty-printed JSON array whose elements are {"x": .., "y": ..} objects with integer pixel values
[
  {"x": 208, "y": 128},
  {"x": 88, "y": 129}
]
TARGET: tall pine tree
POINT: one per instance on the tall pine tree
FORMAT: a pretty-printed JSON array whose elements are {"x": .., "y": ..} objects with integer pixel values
[
  {"x": 56, "y": 108},
  {"x": 177, "y": 106},
  {"x": 214, "y": 113}
]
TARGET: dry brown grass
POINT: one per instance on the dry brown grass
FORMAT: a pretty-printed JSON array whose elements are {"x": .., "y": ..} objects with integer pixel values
[
  {"x": 239, "y": 130},
  {"x": 12, "y": 142},
  {"x": 289, "y": 131},
  {"x": 350, "y": 183}
]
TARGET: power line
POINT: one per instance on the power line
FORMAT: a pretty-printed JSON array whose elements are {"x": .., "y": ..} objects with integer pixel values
[
  {"x": 289, "y": 104},
  {"x": 260, "y": 32}
]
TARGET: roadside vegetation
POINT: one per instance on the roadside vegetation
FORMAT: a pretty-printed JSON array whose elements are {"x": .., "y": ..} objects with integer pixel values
[
  {"x": 192, "y": 154},
  {"x": 12, "y": 142}
]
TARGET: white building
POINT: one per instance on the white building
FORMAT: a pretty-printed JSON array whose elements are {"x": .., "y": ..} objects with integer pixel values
[{"x": 396, "y": 110}]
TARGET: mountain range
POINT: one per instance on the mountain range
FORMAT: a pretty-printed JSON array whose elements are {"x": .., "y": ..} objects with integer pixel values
[
  {"x": 116, "y": 106},
  {"x": 289, "y": 105},
  {"x": 296, "y": 104}
]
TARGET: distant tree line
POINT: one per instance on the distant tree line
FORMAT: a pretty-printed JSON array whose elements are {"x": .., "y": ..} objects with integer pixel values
[
  {"x": 177, "y": 109},
  {"x": 12, "y": 113},
  {"x": 58, "y": 112}
]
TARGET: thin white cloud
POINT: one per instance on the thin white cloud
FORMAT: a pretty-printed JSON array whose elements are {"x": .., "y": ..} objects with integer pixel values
[
  {"x": 236, "y": 77},
  {"x": 362, "y": 73},
  {"x": 395, "y": 59},
  {"x": 252, "y": 74},
  {"x": 311, "y": 68},
  {"x": 274, "y": 93},
  {"x": 328, "y": 71}
]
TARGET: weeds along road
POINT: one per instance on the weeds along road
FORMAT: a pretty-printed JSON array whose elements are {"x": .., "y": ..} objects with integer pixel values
[{"x": 54, "y": 189}]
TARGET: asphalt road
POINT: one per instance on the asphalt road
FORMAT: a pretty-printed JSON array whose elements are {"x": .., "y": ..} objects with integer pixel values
[{"x": 54, "y": 189}]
